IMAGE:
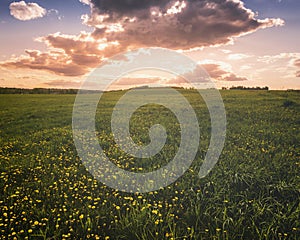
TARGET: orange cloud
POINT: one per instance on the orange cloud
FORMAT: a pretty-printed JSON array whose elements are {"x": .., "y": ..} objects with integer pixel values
[
  {"x": 216, "y": 72},
  {"x": 53, "y": 61},
  {"x": 68, "y": 55}
]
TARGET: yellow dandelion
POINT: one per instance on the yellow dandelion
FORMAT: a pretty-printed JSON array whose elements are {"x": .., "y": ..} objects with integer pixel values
[{"x": 155, "y": 211}]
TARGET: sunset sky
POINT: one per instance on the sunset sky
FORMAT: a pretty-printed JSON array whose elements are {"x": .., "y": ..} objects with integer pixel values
[{"x": 56, "y": 44}]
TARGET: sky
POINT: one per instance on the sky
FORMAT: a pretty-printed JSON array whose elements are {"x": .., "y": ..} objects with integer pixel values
[{"x": 57, "y": 44}]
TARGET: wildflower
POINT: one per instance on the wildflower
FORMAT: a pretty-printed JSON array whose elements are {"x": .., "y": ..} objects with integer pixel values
[
  {"x": 155, "y": 211},
  {"x": 81, "y": 216}
]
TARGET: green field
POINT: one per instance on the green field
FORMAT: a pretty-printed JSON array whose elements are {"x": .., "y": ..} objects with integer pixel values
[{"x": 252, "y": 193}]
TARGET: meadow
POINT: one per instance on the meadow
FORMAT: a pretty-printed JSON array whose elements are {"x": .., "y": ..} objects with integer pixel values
[{"x": 253, "y": 192}]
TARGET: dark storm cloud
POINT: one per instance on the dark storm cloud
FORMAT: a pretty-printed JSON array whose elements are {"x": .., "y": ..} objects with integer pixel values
[{"x": 127, "y": 7}]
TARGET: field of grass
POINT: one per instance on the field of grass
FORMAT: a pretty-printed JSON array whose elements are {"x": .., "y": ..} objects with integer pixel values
[{"x": 252, "y": 193}]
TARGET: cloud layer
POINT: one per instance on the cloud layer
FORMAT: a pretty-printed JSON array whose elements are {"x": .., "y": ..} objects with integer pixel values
[
  {"x": 26, "y": 11},
  {"x": 120, "y": 25}
]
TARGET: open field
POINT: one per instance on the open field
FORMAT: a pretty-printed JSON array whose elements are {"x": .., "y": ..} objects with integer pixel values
[{"x": 252, "y": 193}]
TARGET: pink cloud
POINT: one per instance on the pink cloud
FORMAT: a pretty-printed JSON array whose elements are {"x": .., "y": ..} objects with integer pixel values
[
  {"x": 297, "y": 64},
  {"x": 56, "y": 62},
  {"x": 216, "y": 72}
]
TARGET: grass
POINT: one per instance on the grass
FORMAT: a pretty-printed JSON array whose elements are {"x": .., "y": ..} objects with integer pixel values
[{"x": 252, "y": 193}]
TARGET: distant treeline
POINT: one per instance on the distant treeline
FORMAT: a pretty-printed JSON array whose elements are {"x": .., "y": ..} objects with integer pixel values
[
  {"x": 247, "y": 88},
  {"x": 37, "y": 91},
  {"x": 43, "y": 91},
  {"x": 74, "y": 91}
]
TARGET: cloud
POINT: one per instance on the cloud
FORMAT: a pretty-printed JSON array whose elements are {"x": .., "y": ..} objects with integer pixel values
[
  {"x": 289, "y": 60},
  {"x": 87, "y": 2},
  {"x": 238, "y": 56},
  {"x": 128, "y": 7},
  {"x": 82, "y": 44},
  {"x": 175, "y": 24},
  {"x": 218, "y": 73},
  {"x": 275, "y": 58},
  {"x": 68, "y": 55},
  {"x": 297, "y": 64},
  {"x": 56, "y": 62},
  {"x": 26, "y": 11}
]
